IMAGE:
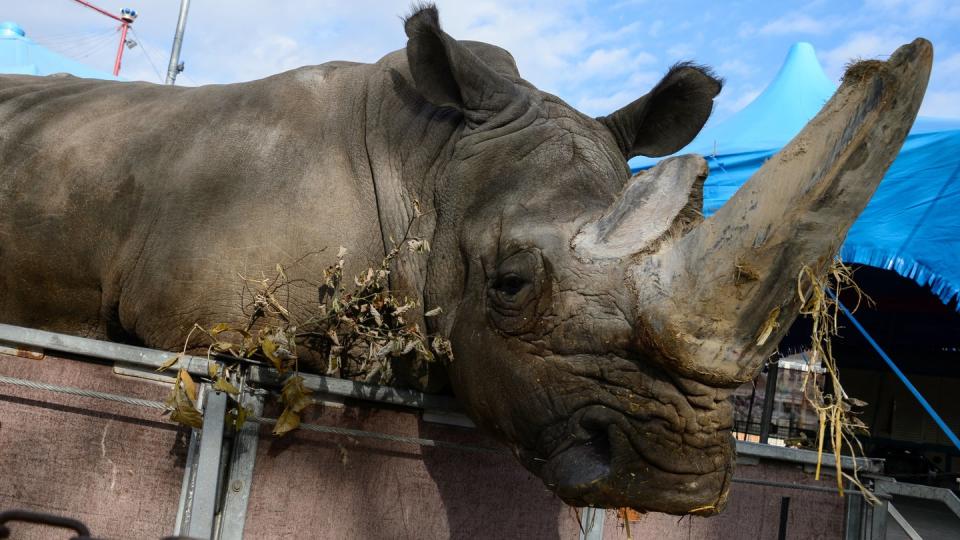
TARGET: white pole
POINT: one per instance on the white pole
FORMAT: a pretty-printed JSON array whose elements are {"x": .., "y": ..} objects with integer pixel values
[{"x": 175, "y": 66}]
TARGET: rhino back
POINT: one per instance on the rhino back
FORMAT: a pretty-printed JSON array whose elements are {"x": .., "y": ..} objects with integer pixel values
[{"x": 132, "y": 207}]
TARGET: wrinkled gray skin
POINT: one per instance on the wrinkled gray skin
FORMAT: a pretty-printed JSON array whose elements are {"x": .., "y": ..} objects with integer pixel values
[{"x": 584, "y": 334}]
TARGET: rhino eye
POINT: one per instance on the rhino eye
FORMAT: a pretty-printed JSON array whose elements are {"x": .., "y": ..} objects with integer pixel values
[
  {"x": 515, "y": 292},
  {"x": 511, "y": 284}
]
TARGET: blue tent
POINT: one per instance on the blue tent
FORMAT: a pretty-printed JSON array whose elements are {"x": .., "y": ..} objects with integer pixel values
[
  {"x": 912, "y": 224},
  {"x": 21, "y": 55}
]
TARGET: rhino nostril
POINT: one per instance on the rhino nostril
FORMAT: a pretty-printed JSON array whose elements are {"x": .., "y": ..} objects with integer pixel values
[{"x": 599, "y": 447}]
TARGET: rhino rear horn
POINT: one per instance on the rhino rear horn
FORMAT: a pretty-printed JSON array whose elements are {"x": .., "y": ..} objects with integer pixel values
[
  {"x": 669, "y": 116},
  {"x": 656, "y": 205},
  {"x": 448, "y": 74}
]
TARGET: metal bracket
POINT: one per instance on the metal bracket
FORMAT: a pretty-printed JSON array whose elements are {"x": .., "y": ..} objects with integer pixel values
[
  {"x": 240, "y": 474},
  {"x": 591, "y": 523},
  {"x": 201, "y": 490}
]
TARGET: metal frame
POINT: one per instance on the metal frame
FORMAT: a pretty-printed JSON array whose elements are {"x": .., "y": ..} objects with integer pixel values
[
  {"x": 239, "y": 478},
  {"x": 591, "y": 523},
  {"x": 219, "y": 470}
]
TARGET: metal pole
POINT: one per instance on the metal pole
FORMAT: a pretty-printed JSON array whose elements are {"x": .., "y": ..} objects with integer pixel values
[
  {"x": 769, "y": 399},
  {"x": 175, "y": 66},
  {"x": 98, "y": 10},
  {"x": 123, "y": 41}
]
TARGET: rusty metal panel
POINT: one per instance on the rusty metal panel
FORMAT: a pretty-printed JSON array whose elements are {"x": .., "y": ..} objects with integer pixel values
[
  {"x": 115, "y": 467},
  {"x": 313, "y": 485},
  {"x": 753, "y": 511}
]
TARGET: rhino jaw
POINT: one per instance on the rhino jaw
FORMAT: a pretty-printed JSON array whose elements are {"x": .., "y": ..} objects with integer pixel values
[{"x": 615, "y": 461}]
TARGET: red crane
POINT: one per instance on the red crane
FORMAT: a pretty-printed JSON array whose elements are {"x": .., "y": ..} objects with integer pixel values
[{"x": 126, "y": 18}]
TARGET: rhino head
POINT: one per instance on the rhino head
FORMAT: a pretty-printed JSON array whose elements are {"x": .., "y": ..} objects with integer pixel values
[{"x": 599, "y": 323}]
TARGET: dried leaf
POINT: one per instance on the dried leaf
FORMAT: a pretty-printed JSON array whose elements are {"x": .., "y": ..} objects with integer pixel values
[
  {"x": 169, "y": 362},
  {"x": 212, "y": 368},
  {"x": 188, "y": 385},
  {"x": 857, "y": 402},
  {"x": 771, "y": 324},
  {"x": 341, "y": 252},
  {"x": 376, "y": 316},
  {"x": 443, "y": 347},
  {"x": 183, "y": 410},
  {"x": 287, "y": 422},
  {"x": 295, "y": 395},
  {"x": 222, "y": 346},
  {"x": 218, "y": 328},
  {"x": 223, "y": 385},
  {"x": 433, "y": 312},
  {"x": 241, "y": 416},
  {"x": 269, "y": 349}
]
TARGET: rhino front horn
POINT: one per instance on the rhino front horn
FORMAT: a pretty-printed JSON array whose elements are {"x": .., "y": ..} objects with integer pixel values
[{"x": 714, "y": 303}]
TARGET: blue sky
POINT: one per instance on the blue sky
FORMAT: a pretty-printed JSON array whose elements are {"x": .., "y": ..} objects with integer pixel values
[{"x": 596, "y": 55}]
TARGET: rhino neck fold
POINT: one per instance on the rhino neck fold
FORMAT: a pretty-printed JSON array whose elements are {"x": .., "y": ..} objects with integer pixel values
[{"x": 407, "y": 144}]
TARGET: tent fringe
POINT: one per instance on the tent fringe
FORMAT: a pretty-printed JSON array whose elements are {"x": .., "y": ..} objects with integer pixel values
[{"x": 907, "y": 267}]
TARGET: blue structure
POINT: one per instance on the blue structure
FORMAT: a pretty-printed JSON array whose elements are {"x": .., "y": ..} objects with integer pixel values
[
  {"x": 21, "y": 55},
  {"x": 912, "y": 224}
]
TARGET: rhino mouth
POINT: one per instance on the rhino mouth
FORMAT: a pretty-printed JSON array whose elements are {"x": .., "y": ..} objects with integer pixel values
[{"x": 612, "y": 458}]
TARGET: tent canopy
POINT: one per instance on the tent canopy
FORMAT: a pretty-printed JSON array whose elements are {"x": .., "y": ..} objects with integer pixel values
[
  {"x": 23, "y": 56},
  {"x": 911, "y": 224}
]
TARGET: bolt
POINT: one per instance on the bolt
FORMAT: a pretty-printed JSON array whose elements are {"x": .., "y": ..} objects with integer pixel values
[{"x": 237, "y": 485}]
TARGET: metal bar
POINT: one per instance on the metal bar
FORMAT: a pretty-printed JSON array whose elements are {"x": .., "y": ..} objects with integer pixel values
[
  {"x": 591, "y": 523},
  {"x": 853, "y": 516},
  {"x": 369, "y": 392},
  {"x": 902, "y": 522},
  {"x": 784, "y": 515},
  {"x": 788, "y": 485},
  {"x": 896, "y": 370},
  {"x": 98, "y": 10},
  {"x": 388, "y": 437},
  {"x": 806, "y": 457},
  {"x": 123, "y": 42},
  {"x": 918, "y": 491},
  {"x": 173, "y": 68},
  {"x": 186, "y": 487},
  {"x": 769, "y": 399},
  {"x": 103, "y": 350},
  {"x": 878, "y": 517},
  {"x": 240, "y": 475},
  {"x": 203, "y": 506}
]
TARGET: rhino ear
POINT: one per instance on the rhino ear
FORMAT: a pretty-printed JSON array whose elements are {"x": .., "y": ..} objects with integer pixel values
[
  {"x": 447, "y": 74},
  {"x": 667, "y": 118}
]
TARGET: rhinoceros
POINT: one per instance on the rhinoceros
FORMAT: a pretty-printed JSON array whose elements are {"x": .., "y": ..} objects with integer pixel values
[{"x": 598, "y": 322}]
